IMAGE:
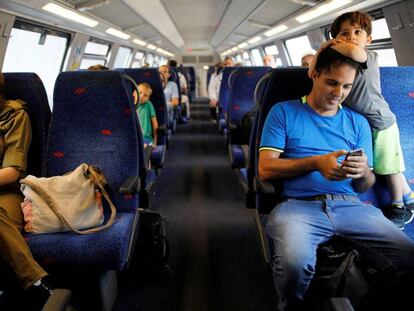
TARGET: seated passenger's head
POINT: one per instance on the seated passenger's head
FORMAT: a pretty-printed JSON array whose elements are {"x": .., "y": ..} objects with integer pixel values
[
  {"x": 165, "y": 71},
  {"x": 268, "y": 60},
  {"x": 307, "y": 59},
  {"x": 228, "y": 62},
  {"x": 97, "y": 67},
  {"x": 332, "y": 78},
  {"x": 145, "y": 92},
  {"x": 172, "y": 63}
]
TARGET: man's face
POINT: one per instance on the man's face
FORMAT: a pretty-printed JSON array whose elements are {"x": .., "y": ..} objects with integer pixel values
[
  {"x": 306, "y": 60},
  {"x": 354, "y": 34},
  {"x": 330, "y": 88},
  {"x": 165, "y": 71},
  {"x": 228, "y": 63},
  {"x": 144, "y": 94}
]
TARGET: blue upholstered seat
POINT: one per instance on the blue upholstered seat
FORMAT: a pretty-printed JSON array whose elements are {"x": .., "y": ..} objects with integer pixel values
[
  {"x": 243, "y": 83},
  {"x": 281, "y": 85},
  {"x": 96, "y": 124},
  {"x": 29, "y": 88},
  {"x": 152, "y": 77},
  {"x": 397, "y": 84},
  {"x": 189, "y": 72},
  {"x": 223, "y": 101},
  {"x": 397, "y": 87}
]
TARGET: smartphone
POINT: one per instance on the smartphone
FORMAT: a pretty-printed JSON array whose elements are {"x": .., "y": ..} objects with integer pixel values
[{"x": 354, "y": 152}]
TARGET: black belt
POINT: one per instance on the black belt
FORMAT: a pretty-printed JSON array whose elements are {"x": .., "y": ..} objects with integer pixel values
[{"x": 322, "y": 197}]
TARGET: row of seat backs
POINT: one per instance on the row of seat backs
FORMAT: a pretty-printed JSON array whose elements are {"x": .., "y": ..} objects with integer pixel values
[
  {"x": 242, "y": 83},
  {"x": 96, "y": 124},
  {"x": 284, "y": 84}
]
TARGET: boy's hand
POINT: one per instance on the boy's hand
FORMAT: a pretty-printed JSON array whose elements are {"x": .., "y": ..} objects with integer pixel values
[{"x": 323, "y": 46}]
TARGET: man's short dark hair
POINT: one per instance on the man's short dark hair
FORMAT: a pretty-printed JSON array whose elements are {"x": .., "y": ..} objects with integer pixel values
[
  {"x": 172, "y": 63},
  {"x": 329, "y": 58}
]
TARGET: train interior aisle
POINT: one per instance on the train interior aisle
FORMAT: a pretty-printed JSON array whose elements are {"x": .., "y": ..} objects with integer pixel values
[{"x": 215, "y": 255}]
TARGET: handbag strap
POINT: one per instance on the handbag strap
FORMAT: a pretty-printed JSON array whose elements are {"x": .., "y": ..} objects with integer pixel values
[{"x": 98, "y": 179}]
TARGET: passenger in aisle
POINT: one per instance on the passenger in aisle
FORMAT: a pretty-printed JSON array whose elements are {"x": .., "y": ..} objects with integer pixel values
[
  {"x": 170, "y": 91},
  {"x": 147, "y": 116}
]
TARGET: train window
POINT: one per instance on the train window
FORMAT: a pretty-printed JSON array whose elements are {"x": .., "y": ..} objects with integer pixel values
[
  {"x": 96, "y": 52},
  {"x": 163, "y": 61},
  {"x": 382, "y": 44},
  {"x": 122, "y": 57},
  {"x": 295, "y": 48},
  {"x": 149, "y": 59},
  {"x": 138, "y": 58},
  {"x": 96, "y": 48},
  {"x": 33, "y": 48},
  {"x": 247, "y": 60},
  {"x": 156, "y": 61},
  {"x": 239, "y": 58},
  {"x": 257, "y": 57},
  {"x": 271, "y": 50}
]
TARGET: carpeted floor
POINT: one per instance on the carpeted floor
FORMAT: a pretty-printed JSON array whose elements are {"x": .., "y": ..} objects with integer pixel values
[{"x": 215, "y": 254}]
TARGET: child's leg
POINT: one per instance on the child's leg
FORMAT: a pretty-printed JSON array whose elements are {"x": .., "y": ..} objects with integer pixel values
[{"x": 395, "y": 187}]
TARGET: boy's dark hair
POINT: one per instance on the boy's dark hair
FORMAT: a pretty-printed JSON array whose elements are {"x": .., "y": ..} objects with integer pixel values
[
  {"x": 329, "y": 58},
  {"x": 360, "y": 18}
]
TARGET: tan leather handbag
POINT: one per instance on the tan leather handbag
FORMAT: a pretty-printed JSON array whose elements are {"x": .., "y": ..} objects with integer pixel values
[{"x": 71, "y": 202}]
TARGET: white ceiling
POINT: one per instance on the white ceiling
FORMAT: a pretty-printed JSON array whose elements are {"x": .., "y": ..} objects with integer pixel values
[{"x": 184, "y": 26}]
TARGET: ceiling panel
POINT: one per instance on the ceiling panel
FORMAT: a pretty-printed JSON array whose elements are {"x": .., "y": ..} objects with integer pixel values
[{"x": 196, "y": 20}]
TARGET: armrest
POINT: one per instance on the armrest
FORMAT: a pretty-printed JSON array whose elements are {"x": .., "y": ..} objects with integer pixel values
[
  {"x": 59, "y": 301},
  {"x": 131, "y": 185},
  {"x": 263, "y": 186}
]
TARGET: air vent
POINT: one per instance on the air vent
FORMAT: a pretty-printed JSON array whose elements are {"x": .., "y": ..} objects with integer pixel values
[
  {"x": 205, "y": 59},
  {"x": 189, "y": 59}
]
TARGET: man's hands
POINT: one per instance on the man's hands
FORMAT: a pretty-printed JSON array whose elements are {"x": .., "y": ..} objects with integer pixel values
[{"x": 356, "y": 166}]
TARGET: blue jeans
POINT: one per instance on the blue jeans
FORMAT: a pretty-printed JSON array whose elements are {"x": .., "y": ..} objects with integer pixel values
[{"x": 296, "y": 228}]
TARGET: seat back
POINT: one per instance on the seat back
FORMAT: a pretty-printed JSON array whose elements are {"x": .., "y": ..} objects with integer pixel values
[
  {"x": 94, "y": 122},
  {"x": 29, "y": 88},
  {"x": 152, "y": 77},
  {"x": 241, "y": 98},
  {"x": 397, "y": 87},
  {"x": 281, "y": 84},
  {"x": 224, "y": 95}
]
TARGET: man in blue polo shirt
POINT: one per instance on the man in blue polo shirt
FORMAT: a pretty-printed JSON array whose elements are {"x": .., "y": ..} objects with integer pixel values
[{"x": 321, "y": 182}]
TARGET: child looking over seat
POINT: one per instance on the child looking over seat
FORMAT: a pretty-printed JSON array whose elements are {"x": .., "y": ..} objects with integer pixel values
[
  {"x": 352, "y": 34},
  {"x": 146, "y": 115}
]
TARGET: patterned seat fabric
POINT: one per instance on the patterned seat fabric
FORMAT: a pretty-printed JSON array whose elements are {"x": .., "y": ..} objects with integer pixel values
[
  {"x": 95, "y": 124},
  {"x": 241, "y": 101},
  {"x": 29, "y": 88}
]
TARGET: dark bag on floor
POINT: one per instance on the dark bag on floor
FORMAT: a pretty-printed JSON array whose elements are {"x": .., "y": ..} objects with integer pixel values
[
  {"x": 152, "y": 248},
  {"x": 343, "y": 271}
]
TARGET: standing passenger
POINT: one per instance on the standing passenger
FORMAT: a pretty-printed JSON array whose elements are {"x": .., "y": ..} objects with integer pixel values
[
  {"x": 170, "y": 91},
  {"x": 215, "y": 84},
  {"x": 15, "y": 137},
  {"x": 353, "y": 31}
]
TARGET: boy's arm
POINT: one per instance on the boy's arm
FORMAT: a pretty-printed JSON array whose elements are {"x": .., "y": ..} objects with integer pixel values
[
  {"x": 352, "y": 51},
  {"x": 154, "y": 130}
]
